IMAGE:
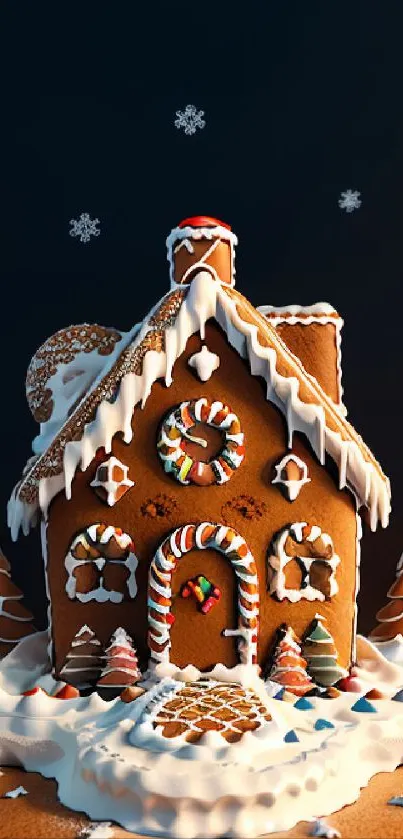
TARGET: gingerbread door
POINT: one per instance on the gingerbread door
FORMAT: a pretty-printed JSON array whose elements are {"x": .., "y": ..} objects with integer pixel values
[{"x": 203, "y": 584}]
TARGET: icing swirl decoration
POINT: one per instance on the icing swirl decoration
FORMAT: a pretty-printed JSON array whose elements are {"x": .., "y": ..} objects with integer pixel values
[{"x": 175, "y": 430}]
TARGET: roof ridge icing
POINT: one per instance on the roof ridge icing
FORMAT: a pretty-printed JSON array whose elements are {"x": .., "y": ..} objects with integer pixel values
[{"x": 108, "y": 406}]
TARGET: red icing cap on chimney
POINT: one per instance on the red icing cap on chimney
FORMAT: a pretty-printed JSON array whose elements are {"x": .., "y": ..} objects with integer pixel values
[{"x": 203, "y": 221}]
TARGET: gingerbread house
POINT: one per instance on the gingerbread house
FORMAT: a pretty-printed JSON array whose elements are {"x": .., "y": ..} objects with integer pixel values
[{"x": 196, "y": 478}]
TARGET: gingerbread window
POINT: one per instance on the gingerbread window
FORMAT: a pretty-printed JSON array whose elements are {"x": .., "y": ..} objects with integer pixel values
[
  {"x": 302, "y": 564},
  {"x": 291, "y": 475},
  {"x": 101, "y": 565},
  {"x": 111, "y": 481}
]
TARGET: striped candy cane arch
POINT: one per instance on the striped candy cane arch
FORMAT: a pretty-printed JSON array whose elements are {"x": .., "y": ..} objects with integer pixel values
[{"x": 231, "y": 545}]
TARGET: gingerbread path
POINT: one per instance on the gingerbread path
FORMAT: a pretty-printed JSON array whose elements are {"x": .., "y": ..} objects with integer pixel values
[
  {"x": 199, "y": 707},
  {"x": 39, "y": 814}
]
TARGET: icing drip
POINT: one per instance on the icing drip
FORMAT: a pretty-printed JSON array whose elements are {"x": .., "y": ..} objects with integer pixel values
[
  {"x": 206, "y": 299},
  {"x": 204, "y": 362}
]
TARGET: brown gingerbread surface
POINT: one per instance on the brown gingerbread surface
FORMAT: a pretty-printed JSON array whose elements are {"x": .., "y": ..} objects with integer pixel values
[
  {"x": 249, "y": 503},
  {"x": 39, "y": 814}
]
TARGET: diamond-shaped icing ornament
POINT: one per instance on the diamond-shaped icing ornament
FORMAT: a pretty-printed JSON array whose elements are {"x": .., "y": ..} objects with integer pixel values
[
  {"x": 291, "y": 474},
  {"x": 111, "y": 481}
]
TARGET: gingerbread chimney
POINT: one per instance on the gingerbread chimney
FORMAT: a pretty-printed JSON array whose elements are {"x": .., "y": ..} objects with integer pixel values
[
  {"x": 201, "y": 243},
  {"x": 313, "y": 334}
]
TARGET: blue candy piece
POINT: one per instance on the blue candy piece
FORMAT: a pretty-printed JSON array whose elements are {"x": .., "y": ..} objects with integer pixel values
[
  {"x": 303, "y": 704},
  {"x": 363, "y": 706},
  {"x": 398, "y": 697},
  {"x": 397, "y": 800},
  {"x": 321, "y": 724},
  {"x": 291, "y": 737},
  {"x": 280, "y": 694}
]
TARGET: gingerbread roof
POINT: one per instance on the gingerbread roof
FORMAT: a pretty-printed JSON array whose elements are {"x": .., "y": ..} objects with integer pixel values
[{"x": 148, "y": 352}]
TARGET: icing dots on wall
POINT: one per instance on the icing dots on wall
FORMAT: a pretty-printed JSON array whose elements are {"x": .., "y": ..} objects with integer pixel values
[
  {"x": 204, "y": 363},
  {"x": 101, "y": 565},
  {"x": 175, "y": 437},
  {"x": 111, "y": 481},
  {"x": 302, "y": 564},
  {"x": 291, "y": 475}
]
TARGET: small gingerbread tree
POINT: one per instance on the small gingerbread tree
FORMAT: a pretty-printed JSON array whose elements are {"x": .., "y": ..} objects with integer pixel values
[
  {"x": 390, "y": 617},
  {"x": 289, "y": 667},
  {"x": 121, "y": 669},
  {"x": 84, "y": 660},
  {"x": 321, "y": 654},
  {"x": 15, "y": 619}
]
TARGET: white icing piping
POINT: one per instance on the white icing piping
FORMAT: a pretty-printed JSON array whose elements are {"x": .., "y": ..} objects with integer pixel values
[
  {"x": 206, "y": 299},
  {"x": 279, "y": 559},
  {"x": 322, "y": 313},
  {"x": 100, "y": 594},
  {"x": 188, "y": 233},
  {"x": 44, "y": 543}
]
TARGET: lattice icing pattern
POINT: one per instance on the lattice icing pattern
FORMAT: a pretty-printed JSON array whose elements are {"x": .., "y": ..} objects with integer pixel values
[
  {"x": 192, "y": 710},
  {"x": 184, "y": 539},
  {"x": 101, "y": 565},
  {"x": 313, "y": 551}
]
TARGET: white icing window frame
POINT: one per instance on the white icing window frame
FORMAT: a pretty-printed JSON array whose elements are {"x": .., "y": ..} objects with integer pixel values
[
  {"x": 293, "y": 488},
  {"x": 278, "y": 560},
  {"x": 100, "y": 594}
]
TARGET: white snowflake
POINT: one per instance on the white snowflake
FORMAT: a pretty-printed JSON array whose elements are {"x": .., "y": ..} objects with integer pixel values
[
  {"x": 190, "y": 119},
  {"x": 84, "y": 227},
  {"x": 350, "y": 200}
]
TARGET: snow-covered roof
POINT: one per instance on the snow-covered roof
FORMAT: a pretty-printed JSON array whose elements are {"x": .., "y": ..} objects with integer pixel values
[{"x": 149, "y": 352}]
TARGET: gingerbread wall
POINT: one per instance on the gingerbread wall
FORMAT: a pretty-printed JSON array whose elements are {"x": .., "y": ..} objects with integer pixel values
[{"x": 248, "y": 502}]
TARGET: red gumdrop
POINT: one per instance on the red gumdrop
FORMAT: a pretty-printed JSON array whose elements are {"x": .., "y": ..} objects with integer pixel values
[
  {"x": 32, "y": 692},
  {"x": 67, "y": 692},
  {"x": 350, "y": 684}
]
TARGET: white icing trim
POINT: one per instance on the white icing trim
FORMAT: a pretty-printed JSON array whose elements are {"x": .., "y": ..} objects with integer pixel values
[
  {"x": 100, "y": 594},
  {"x": 44, "y": 544},
  {"x": 111, "y": 486},
  {"x": 205, "y": 363},
  {"x": 279, "y": 559},
  {"x": 206, "y": 299},
  {"x": 322, "y": 313},
  {"x": 179, "y": 234},
  {"x": 293, "y": 488},
  {"x": 319, "y": 310},
  {"x": 358, "y": 538}
]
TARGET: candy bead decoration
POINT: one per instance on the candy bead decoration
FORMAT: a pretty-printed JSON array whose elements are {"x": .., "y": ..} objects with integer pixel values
[
  {"x": 202, "y": 536},
  {"x": 175, "y": 429}
]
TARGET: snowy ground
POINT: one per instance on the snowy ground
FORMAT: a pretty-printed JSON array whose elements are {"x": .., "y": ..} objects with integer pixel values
[{"x": 110, "y": 761}]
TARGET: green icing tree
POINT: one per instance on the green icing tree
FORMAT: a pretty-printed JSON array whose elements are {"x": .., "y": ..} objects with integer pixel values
[{"x": 320, "y": 652}]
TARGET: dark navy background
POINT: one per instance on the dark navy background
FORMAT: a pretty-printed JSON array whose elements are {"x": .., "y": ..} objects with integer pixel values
[{"x": 301, "y": 101}]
